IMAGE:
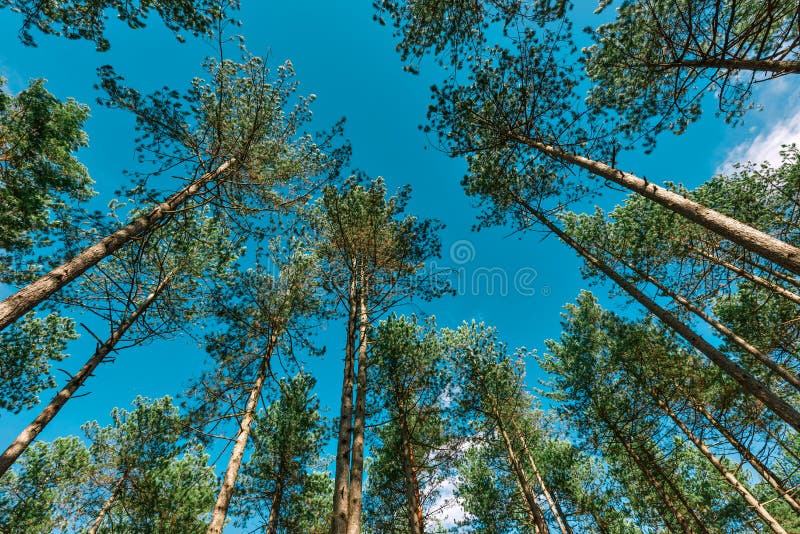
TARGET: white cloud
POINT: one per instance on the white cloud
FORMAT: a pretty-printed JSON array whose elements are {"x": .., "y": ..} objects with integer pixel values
[
  {"x": 781, "y": 126},
  {"x": 448, "y": 510}
]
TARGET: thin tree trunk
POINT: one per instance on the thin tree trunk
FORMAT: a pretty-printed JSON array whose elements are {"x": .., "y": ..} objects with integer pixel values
[
  {"x": 763, "y": 282},
  {"x": 359, "y": 420},
  {"x": 686, "y": 527},
  {"x": 527, "y": 492},
  {"x": 563, "y": 525},
  {"x": 24, "y": 300},
  {"x": 107, "y": 505},
  {"x": 729, "y": 228},
  {"x": 30, "y": 432},
  {"x": 773, "y": 272},
  {"x": 342, "y": 476},
  {"x": 748, "y": 382},
  {"x": 774, "y": 66},
  {"x": 535, "y": 513},
  {"x": 764, "y": 472},
  {"x": 413, "y": 502},
  {"x": 275, "y": 509},
  {"x": 217, "y": 521},
  {"x": 718, "y": 465},
  {"x": 768, "y": 362}
]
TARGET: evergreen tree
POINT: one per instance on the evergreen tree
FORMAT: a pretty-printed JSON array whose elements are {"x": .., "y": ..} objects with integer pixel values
[{"x": 284, "y": 487}]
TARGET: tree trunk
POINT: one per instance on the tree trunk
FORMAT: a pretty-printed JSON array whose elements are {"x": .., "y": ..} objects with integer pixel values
[
  {"x": 774, "y": 66},
  {"x": 764, "y": 472},
  {"x": 729, "y": 228},
  {"x": 563, "y": 526},
  {"x": 359, "y": 420},
  {"x": 763, "y": 282},
  {"x": 768, "y": 362},
  {"x": 29, "y": 433},
  {"x": 686, "y": 527},
  {"x": 107, "y": 505},
  {"x": 527, "y": 492},
  {"x": 24, "y": 300},
  {"x": 413, "y": 502},
  {"x": 275, "y": 508},
  {"x": 765, "y": 516},
  {"x": 342, "y": 475},
  {"x": 217, "y": 522},
  {"x": 748, "y": 382}
]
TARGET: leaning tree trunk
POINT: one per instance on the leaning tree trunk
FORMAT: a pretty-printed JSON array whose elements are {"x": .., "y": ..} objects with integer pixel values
[
  {"x": 643, "y": 467},
  {"x": 359, "y": 420},
  {"x": 534, "y": 511},
  {"x": 729, "y": 477},
  {"x": 101, "y": 515},
  {"x": 768, "y": 362},
  {"x": 763, "y": 471},
  {"x": 748, "y": 382},
  {"x": 763, "y": 244},
  {"x": 343, "y": 447},
  {"x": 24, "y": 300},
  {"x": 558, "y": 513},
  {"x": 29, "y": 433},
  {"x": 217, "y": 521}
]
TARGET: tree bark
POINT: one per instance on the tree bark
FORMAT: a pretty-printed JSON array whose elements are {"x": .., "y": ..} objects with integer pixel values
[
  {"x": 527, "y": 492},
  {"x": 748, "y": 382},
  {"x": 217, "y": 521},
  {"x": 24, "y": 300},
  {"x": 30, "y": 432},
  {"x": 275, "y": 508},
  {"x": 107, "y": 505},
  {"x": 762, "y": 512},
  {"x": 359, "y": 420},
  {"x": 535, "y": 513},
  {"x": 729, "y": 228},
  {"x": 342, "y": 476},
  {"x": 413, "y": 501},
  {"x": 563, "y": 525}
]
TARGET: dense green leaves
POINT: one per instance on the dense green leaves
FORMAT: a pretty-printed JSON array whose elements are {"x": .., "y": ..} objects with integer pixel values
[
  {"x": 77, "y": 20},
  {"x": 39, "y": 175},
  {"x": 138, "y": 474},
  {"x": 26, "y": 350},
  {"x": 283, "y": 486}
]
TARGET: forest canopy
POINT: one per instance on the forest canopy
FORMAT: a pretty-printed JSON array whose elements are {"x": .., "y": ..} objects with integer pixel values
[{"x": 225, "y": 308}]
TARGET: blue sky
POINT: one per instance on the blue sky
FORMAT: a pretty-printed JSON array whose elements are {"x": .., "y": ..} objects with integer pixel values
[{"x": 349, "y": 62}]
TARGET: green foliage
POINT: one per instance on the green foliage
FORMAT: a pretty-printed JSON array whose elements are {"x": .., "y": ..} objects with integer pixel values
[
  {"x": 285, "y": 472},
  {"x": 26, "y": 349},
  {"x": 364, "y": 235},
  {"x": 155, "y": 479},
  {"x": 607, "y": 374},
  {"x": 657, "y": 61},
  {"x": 488, "y": 493},
  {"x": 242, "y": 112},
  {"x": 87, "y": 20},
  {"x": 39, "y": 174},
  {"x": 140, "y": 469},
  {"x": 409, "y": 388},
  {"x": 42, "y": 494}
]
